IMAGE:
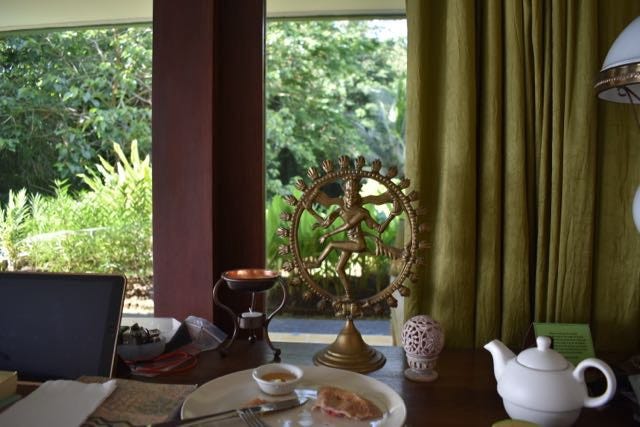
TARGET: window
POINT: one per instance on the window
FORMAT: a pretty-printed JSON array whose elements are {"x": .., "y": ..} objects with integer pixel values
[
  {"x": 333, "y": 87},
  {"x": 75, "y": 181},
  {"x": 180, "y": 283}
]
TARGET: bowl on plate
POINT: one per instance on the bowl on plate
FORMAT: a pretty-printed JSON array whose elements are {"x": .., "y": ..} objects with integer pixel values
[{"x": 277, "y": 378}]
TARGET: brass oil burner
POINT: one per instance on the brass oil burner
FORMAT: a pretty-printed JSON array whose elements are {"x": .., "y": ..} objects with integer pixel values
[
  {"x": 255, "y": 281},
  {"x": 349, "y": 351}
]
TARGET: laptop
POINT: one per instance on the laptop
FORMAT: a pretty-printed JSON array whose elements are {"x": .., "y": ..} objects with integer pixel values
[{"x": 59, "y": 326}]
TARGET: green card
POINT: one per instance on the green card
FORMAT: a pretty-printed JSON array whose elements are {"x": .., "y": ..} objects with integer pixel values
[{"x": 572, "y": 340}]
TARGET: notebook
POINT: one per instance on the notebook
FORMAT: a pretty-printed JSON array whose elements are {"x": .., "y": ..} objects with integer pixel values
[{"x": 59, "y": 326}]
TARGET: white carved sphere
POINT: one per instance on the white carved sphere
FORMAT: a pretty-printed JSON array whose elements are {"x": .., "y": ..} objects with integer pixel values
[{"x": 422, "y": 336}]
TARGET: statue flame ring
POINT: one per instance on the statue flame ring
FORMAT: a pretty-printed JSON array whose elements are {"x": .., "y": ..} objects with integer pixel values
[{"x": 350, "y": 207}]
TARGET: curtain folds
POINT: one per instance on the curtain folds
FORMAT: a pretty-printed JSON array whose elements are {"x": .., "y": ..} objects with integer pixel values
[{"x": 528, "y": 200}]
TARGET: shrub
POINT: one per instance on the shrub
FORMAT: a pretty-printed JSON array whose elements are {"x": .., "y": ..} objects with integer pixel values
[
  {"x": 106, "y": 229},
  {"x": 13, "y": 228}
]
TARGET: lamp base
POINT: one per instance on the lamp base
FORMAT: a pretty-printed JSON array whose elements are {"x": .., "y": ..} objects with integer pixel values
[{"x": 350, "y": 352}]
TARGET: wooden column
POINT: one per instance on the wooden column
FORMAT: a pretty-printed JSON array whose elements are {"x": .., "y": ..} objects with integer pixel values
[
  {"x": 207, "y": 150},
  {"x": 239, "y": 175}
]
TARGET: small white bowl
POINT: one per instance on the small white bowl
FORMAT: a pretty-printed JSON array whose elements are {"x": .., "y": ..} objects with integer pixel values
[{"x": 277, "y": 386}]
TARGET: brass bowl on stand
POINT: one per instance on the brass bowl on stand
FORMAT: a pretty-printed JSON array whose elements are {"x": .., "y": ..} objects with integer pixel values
[{"x": 252, "y": 280}]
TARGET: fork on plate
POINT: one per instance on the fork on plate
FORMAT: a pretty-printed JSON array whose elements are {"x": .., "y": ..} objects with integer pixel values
[{"x": 250, "y": 418}]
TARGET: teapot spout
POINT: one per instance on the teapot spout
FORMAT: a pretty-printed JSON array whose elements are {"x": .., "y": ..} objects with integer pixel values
[{"x": 501, "y": 355}]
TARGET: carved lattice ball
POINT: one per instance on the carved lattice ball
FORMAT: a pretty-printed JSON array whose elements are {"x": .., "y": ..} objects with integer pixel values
[{"x": 422, "y": 336}]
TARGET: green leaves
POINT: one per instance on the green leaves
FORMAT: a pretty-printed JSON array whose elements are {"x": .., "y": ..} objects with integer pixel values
[
  {"x": 331, "y": 87},
  {"x": 104, "y": 229},
  {"x": 13, "y": 227},
  {"x": 64, "y": 96}
]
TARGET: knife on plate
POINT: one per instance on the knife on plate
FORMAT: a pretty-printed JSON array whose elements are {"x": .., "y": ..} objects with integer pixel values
[{"x": 264, "y": 408}]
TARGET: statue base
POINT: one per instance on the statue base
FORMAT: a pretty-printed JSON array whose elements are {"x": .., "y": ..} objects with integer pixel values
[{"x": 350, "y": 352}]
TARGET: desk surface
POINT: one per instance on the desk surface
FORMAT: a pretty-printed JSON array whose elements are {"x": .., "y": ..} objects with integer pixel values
[{"x": 463, "y": 395}]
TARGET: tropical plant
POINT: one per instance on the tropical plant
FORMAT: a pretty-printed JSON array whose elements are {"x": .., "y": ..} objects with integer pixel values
[
  {"x": 104, "y": 229},
  {"x": 13, "y": 228}
]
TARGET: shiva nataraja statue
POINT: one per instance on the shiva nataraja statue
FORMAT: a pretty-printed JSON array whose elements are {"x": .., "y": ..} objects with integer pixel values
[{"x": 350, "y": 210}]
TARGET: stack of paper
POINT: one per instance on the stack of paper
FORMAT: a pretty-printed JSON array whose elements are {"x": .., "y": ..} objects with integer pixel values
[
  {"x": 58, "y": 403},
  {"x": 8, "y": 383}
]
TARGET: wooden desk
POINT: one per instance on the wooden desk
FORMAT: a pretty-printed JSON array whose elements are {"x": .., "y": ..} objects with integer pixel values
[{"x": 463, "y": 395}]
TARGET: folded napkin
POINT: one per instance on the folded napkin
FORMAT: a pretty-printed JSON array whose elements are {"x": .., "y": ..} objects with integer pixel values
[{"x": 58, "y": 403}]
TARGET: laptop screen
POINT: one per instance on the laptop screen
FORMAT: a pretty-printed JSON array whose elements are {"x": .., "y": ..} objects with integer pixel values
[{"x": 59, "y": 326}]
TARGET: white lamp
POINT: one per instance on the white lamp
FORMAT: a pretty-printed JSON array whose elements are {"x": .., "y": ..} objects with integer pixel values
[
  {"x": 636, "y": 209},
  {"x": 619, "y": 80}
]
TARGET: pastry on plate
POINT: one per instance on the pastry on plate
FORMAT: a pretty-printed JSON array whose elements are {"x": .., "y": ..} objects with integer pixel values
[{"x": 339, "y": 402}]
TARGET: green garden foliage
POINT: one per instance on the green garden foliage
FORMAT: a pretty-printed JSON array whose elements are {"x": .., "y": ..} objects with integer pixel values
[
  {"x": 333, "y": 88},
  {"x": 65, "y": 97},
  {"x": 69, "y": 98},
  {"x": 106, "y": 229},
  {"x": 13, "y": 227}
]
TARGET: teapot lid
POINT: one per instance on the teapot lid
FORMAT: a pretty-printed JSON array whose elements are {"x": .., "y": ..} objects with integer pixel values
[{"x": 543, "y": 357}]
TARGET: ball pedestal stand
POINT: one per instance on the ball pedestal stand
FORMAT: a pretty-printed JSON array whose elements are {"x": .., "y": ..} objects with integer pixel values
[
  {"x": 254, "y": 281},
  {"x": 420, "y": 368},
  {"x": 423, "y": 340}
]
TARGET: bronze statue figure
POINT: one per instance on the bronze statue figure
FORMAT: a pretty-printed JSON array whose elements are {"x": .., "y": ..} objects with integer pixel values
[
  {"x": 353, "y": 214},
  {"x": 349, "y": 351}
]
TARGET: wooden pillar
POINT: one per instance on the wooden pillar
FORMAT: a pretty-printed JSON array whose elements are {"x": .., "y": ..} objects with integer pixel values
[
  {"x": 239, "y": 175},
  {"x": 207, "y": 150}
]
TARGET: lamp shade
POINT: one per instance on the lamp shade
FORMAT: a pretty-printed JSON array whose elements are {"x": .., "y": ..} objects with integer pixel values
[{"x": 621, "y": 67}]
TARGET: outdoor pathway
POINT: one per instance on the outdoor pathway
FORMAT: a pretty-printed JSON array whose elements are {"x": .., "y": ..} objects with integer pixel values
[{"x": 324, "y": 331}]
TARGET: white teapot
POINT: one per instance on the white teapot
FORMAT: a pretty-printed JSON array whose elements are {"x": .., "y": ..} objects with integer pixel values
[{"x": 541, "y": 386}]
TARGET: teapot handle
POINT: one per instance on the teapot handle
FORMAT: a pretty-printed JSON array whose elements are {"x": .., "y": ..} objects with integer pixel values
[{"x": 578, "y": 374}]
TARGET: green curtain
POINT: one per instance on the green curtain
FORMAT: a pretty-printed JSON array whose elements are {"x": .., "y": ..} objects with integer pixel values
[{"x": 526, "y": 176}]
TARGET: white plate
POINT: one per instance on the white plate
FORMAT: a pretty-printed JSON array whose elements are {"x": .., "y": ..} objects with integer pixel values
[{"x": 235, "y": 390}]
